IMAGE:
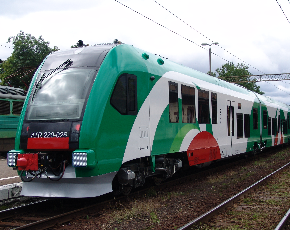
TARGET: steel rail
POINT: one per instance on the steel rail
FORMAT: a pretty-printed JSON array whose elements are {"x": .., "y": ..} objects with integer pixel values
[
  {"x": 51, "y": 221},
  {"x": 283, "y": 222},
  {"x": 208, "y": 215},
  {"x": 65, "y": 217},
  {"x": 11, "y": 211}
]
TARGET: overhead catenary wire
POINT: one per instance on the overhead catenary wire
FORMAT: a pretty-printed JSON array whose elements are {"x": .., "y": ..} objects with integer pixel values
[
  {"x": 283, "y": 10},
  {"x": 207, "y": 37},
  {"x": 179, "y": 34},
  {"x": 191, "y": 40},
  {"x": 18, "y": 72},
  {"x": 169, "y": 29},
  {"x": 6, "y": 46}
]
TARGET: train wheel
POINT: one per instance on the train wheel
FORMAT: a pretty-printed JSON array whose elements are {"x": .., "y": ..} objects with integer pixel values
[
  {"x": 256, "y": 150},
  {"x": 158, "y": 180},
  {"x": 126, "y": 190}
]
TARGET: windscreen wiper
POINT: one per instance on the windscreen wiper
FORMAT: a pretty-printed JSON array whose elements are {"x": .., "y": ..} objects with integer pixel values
[{"x": 58, "y": 69}]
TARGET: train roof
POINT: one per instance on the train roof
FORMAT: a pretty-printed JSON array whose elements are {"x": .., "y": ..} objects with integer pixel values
[
  {"x": 12, "y": 93},
  {"x": 233, "y": 88},
  {"x": 80, "y": 57},
  {"x": 90, "y": 55}
]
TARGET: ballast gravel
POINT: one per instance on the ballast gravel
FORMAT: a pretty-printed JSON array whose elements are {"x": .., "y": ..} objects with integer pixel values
[{"x": 182, "y": 203}]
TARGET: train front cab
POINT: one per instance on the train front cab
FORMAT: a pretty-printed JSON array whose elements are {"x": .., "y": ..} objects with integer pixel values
[{"x": 48, "y": 147}]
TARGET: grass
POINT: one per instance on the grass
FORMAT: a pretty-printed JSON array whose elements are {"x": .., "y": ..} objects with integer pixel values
[
  {"x": 154, "y": 218},
  {"x": 143, "y": 209}
]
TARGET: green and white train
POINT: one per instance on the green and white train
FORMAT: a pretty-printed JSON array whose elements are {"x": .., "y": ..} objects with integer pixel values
[{"x": 104, "y": 118}]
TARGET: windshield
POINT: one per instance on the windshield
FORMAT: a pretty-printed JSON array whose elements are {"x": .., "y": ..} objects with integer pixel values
[{"x": 61, "y": 95}]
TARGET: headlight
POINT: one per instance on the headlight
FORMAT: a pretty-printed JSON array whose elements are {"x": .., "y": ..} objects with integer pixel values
[
  {"x": 84, "y": 158},
  {"x": 12, "y": 158},
  {"x": 79, "y": 159}
]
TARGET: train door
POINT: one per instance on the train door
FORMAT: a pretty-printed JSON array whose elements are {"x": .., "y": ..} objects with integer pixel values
[{"x": 230, "y": 126}]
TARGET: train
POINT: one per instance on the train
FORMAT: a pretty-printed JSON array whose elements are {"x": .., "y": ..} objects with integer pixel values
[
  {"x": 105, "y": 118},
  {"x": 11, "y": 102}
]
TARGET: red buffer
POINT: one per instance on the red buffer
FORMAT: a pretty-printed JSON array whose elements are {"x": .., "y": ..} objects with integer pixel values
[{"x": 27, "y": 162}]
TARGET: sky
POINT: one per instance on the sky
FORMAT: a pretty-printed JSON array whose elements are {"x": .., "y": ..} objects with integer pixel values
[{"x": 253, "y": 32}]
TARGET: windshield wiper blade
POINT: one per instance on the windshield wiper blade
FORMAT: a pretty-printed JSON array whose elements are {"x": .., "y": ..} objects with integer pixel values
[{"x": 61, "y": 67}]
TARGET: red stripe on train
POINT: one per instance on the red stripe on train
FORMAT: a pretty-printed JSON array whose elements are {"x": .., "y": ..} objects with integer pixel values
[
  {"x": 48, "y": 143},
  {"x": 203, "y": 148}
]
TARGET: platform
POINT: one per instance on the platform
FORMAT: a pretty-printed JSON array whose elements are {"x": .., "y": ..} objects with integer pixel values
[{"x": 10, "y": 183}]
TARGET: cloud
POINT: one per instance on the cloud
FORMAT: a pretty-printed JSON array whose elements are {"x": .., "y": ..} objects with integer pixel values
[
  {"x": 19, "y": 8},
  {"x": 255, "y": 33}
]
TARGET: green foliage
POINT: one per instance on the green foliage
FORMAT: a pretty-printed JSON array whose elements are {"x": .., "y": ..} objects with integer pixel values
[
  {"x": 79, "y": 44},
  {"x": 116, "y": 41},
  {"x": 229, "y": 69},
  {"x": 27, "y": 55}
]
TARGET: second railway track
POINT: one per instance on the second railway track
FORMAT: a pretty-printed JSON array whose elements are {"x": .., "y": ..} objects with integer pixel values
[{"x": 256, "y": 207}]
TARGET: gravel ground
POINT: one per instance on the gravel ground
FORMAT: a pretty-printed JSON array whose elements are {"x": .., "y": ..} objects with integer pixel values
[
  {"x": 262, "y": 209},
  {"x": 180, "y": 204}
]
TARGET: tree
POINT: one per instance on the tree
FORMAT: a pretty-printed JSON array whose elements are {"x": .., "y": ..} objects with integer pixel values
[
  {"x": 116, "y": 41},
  {"x": 79, "y": 44},
  {"x": 27, "y": 55},
  {"x": 229, "y": 69}
]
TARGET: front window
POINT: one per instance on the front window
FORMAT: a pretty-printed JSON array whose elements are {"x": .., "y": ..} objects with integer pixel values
[{"x": 60, "y": 94}]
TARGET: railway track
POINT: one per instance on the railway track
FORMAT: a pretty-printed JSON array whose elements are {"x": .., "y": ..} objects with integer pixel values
[
  {"x": 231, "y": 201},
  {"x": 94, "y": 207},
  {"x": 17, "y": 217},
  {"x": 284, "y": 224}
]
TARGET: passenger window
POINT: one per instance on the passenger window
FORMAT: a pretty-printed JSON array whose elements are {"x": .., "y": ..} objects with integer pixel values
[
  {"x": 274, "y": 126},
  {"x": 255, "y": 118},
  {"x": 285, "y": 126},
  {"x": 247, "y": 125},
  {"x": 4, "y": 107},
  {"x": 188, "y": 104},
  {"x": 240, "y": 132},
  {"x": 230, "y": 116},
  {"x": 214, "y": 107},
  {"x": 17, "y": 107},
  {"x": 124, "y": 97},
  {"x": 269, "y": 125},
  {"x": 173, "y": 103},
  {"x": 265, "y": 120},
  {"x": 203, "y": 107}
]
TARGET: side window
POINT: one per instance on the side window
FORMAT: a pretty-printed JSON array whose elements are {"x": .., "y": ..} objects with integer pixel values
[
  {"x": 247, "y": 125},
  {"x": 274, "y": 126},
  {"x": 285, "y": 126},
  {"x": 173, "y": 103},
  {"x": 265, "y": 120},
  {"x": 255, "y": 118},
  {"x": 4, "y": 107},
  {"x": 240, "y": 132},
  {"x": 17, "y": 107},
  {"x": 231, "y": 120},
  {"x": 124, "y": 97},
  {"x": 203, "y": 107},
  {"x": 269, "y": 126},
  {"x": 214, "y": 107},
  {"x": 188, "y": 104}
]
